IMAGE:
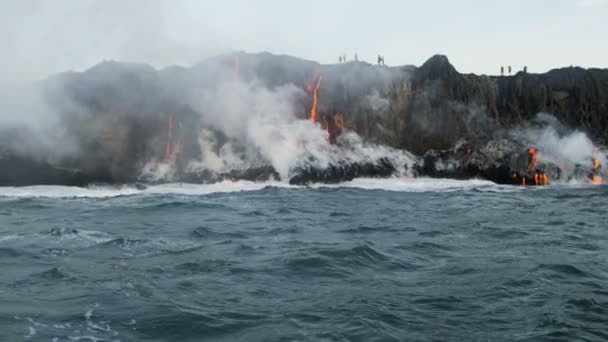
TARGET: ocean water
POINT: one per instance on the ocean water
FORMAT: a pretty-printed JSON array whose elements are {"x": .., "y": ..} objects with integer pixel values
[{"x": 369, "y": 260}]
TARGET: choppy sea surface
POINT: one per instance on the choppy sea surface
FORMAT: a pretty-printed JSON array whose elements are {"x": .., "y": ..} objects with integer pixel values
[{"x": 369, "y": 260}]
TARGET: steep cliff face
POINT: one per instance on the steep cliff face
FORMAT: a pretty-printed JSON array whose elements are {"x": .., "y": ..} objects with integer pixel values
[
  {"x": 577, "y": 97},
  {"x": 439, "y": 106},
  {"x": 116, "y": 116}
]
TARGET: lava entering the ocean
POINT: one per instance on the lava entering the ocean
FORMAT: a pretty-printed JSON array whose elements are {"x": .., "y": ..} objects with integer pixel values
[
  {"x": 313, "y": 87},
  {"x": 595, "y": 177},
  {"x": 533, "y": 159}
]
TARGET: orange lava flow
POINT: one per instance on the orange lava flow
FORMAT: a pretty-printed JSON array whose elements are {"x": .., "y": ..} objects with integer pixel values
[
  {"x": 596, "y": 179},
  {"x": 315, "y": 101},
  {"x": 310, "y": 86},
  {"x": 541, "y": 178},
  {"x": 533, "y": 162}
]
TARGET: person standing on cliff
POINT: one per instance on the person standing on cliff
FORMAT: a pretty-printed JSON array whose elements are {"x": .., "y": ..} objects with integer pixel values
[
  {"x": 510, "y": 70},
  {"x": 502, "y": 71}
]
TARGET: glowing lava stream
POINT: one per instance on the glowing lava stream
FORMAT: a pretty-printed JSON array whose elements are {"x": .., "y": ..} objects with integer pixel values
[
  {"x": 315, "y": 101},
  {"x": 532, "y": 152},
  {"x": 596, "y": 179}
]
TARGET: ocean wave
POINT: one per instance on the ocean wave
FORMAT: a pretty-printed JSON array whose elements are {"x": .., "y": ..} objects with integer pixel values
[
  {"x": 404, "y": 184},
  {"x": 395, "y": 184},
  {"x": 86, "y": 328},
  {"x": 56, "y": 191},
  {"x": 390, "y": 184}
]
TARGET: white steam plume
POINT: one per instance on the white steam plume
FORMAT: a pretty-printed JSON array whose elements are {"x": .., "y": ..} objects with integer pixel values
[
  {"x": 263, "y": 123},
  {"x": 566, "y": 149}
]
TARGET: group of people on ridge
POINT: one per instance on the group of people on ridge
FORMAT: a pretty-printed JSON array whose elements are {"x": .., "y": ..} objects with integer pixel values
[
  {"x": 343, "y": 59},
  {"x": 510, "y": 70}
]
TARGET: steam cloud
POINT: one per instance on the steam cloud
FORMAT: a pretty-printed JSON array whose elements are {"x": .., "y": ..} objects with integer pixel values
[
  {"x": 569, "y": 149},
  {"x": 262, "y": 126}
]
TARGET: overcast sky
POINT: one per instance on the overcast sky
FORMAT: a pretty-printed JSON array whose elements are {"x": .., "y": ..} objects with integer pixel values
[{"x": 41, "y": 37}]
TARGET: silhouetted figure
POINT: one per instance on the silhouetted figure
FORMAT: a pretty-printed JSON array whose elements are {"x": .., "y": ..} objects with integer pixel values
[
  {"x": 525, "y": 70},
  {"x": 340, "y": 59},
  {"x": 510, "y": 70},
  {"x": 379, "y": 60},
  {"x": 502, "y": 71},
  {"x": 356, "y": 57},
  {"x": 383, "y": 60}
]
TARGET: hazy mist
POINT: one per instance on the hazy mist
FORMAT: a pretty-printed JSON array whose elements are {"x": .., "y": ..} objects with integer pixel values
[{"x": 45, "y": 37}]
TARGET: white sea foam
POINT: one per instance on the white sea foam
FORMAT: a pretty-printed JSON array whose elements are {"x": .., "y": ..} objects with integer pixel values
[
  {"x": 95, "y": 330},
  {"x": 111, "y": 191},
  {"x": 66, "y": 191},
  {"x": 397, "y": 184},
  {"x": 404, "y": 184}
]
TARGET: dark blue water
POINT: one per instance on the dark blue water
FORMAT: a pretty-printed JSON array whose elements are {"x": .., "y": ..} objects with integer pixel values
[{"x": 480, "y": 263}]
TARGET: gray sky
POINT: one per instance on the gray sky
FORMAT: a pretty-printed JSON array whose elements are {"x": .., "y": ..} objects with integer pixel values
[{"x": 41, "y": 37}]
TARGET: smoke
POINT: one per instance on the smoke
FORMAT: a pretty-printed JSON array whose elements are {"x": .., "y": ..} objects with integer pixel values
[
  {"x": 109, "y": 119},
  {"x": 227, "y": 157},
  {"x": 263, "y": 125},
  {"x": 29, "y": 125},
  {"x": 377, "y": 103},
  {"x": 42, "y": 38},
  {"x": 570, "y": 150}
]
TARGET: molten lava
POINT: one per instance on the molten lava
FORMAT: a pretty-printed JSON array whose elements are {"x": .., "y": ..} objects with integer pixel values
[
  {"x": 310, "y": 86},
  {"x": 595, "y": 178},
  {"x": 541, "y": 178},
  {"x": 315, "y": 99},
  {"x": 333, "y": 124},
  {"x": 533, "y": 159}
]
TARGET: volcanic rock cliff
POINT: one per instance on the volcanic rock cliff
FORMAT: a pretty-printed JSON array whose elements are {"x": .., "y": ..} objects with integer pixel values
[
  {"x": 437, "y": 106},
  {"x": 116, "y": 113}
]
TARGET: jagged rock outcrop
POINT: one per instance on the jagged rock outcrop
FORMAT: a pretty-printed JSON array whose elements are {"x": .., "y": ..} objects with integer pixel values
[
  {"x": 342, "y": 172},
  {"x": 440, "y": 106}
]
